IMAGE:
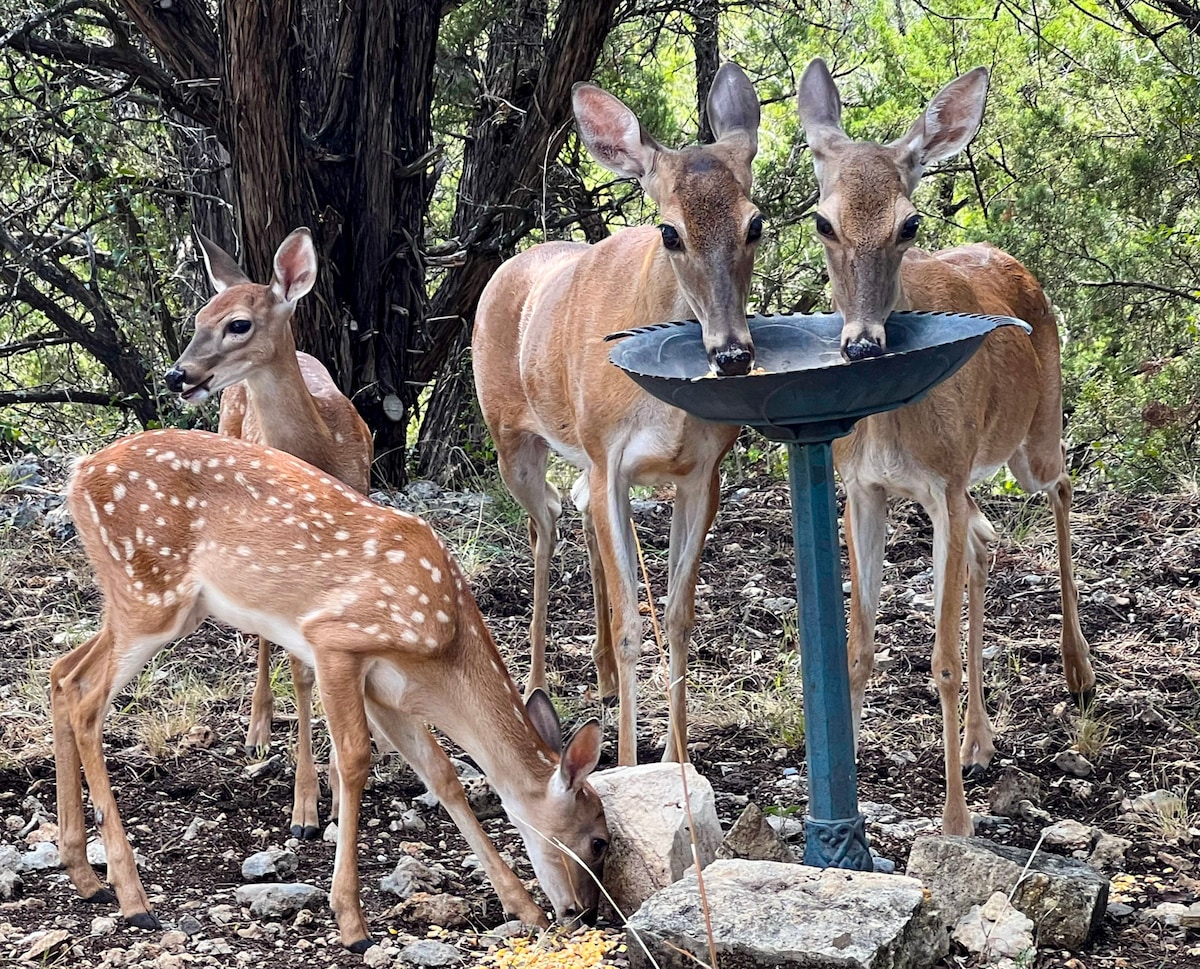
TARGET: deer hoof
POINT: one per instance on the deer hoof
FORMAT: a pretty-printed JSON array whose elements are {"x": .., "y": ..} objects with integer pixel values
[
  {"x": 361, "y": 946},
  {"x": 610, "y": 701},
  {"x": 306, "y": 832},
  {"x": 974, "y": 772},
  {"x": 144, "y": 920},
  {"x": 101, "y": 897},
  {"x": 1085, "y": 699}
]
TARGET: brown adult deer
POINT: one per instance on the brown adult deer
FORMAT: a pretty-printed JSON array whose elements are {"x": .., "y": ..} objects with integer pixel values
[
  {"x": 277, "y": 396},
  {"x": 181, "y": 525},
  {"x": 544, "y": 379},
  {"x": 1004, "y": 406}
]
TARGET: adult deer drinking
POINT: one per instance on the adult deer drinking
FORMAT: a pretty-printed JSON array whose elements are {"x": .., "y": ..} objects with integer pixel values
[
  {"x": 181, "y": 525},
  {"x": 544, "y": 379},
  {"x": 1003, "y": 406},
  {"x": 277, "y": 396}
]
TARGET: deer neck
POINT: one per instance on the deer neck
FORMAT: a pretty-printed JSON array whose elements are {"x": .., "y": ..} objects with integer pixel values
[
  {"x": 501, "y": 739},
  {"x": 287, "y": 414}
]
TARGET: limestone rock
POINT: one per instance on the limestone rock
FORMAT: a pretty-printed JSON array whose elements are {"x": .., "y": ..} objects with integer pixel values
[
  {"x": 10, "y": 883},
  {"x": 10, "y": 858},
  {"x": 190, "y": 925},
  {"x": 1068, "y": 834},
  {"x": 41, "y": 857},
  {"x": 1013, "y": 787},
  {"x": 431, "y": 953},
  {"x": 270, "y": 865},
  {"x": 1073, "y": 762},
  {"x": 279, "y": 901},
  {"x": 782, "y": 915},
  {"x": 1108, "y": 853},
  {"x": 483, "y": 799},
  {"x": 1174, "y": 914},
  {"x": 1064, "y": 898},
  {"x": 996, "y": 930},
  {"x": 103, "y": 925},
  {"x": 449, "y": 911},
  {"x": 651, "y": 843},
  {"x": 754, "y": 839},
  {"x": 411, "y": 876},
  {"x": 40, "y": 943}
]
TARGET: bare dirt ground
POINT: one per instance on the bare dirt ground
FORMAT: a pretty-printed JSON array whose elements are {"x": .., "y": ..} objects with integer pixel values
[{"x": 175, "y": 737}]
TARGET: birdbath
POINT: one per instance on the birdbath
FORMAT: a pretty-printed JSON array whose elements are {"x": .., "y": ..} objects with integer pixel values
[{"x": 804, "y": 393}]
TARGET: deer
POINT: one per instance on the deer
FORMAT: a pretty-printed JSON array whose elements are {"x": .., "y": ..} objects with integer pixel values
[
  {"x": 182, "y": 525},
  {"x": 544, "y": 380},
  {"x": 275, "y": 395},
  {"x": 1003, "y": 407}
]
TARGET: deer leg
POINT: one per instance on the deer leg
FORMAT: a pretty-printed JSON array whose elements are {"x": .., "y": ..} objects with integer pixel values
[
  {"x": 602, "y": 648},
  {"x": 262, "y": 704},
  {"x": 695, "y": 508},
  {"x": 614, "y": 539},
  {"x": 420, "y": 748},
  {"x": 72, "y": 827},
  {"x": 340, "y": 682},
  {"x": 305, "y": 819},
  {"x": 866, "y": 532},
  {"x": 522, "y": 460},
  {"x": 82, "y": 685},
  {"x": 1077, "y": 664},
  {"x": 950, "y": 521},
  {"x": 977, "y": 746},
  {"x": 1041, "y": 466}
]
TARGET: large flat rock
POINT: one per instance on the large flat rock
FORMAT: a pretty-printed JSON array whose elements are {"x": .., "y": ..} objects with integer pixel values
[
  {"x": 784, "y": 916},
  {"x": 1064, "y": 898}
]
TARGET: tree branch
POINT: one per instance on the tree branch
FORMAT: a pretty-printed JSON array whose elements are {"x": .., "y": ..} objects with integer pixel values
[
  {"x": 1140, "y": 284},
  {"x": 66, "y": 395}
]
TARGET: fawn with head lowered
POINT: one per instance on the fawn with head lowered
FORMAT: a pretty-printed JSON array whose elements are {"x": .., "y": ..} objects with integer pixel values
[
  {"x": 545, "y": 382},
  {"x": 182, "y": 525},
  {"x": 274, "y": 395},
  {"x": 1003, "y": 407}
]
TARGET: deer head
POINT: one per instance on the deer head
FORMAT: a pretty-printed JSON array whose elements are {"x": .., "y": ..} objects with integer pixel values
[
  {"x": 245, "y": 326},
  {"x": 865, "y": 218},
  {"x": 564, "y": 829},
  {"x": 710, "y": 228}
]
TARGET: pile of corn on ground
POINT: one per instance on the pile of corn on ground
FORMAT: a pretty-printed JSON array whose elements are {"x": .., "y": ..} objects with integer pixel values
[{"x": 581, "y": 949}]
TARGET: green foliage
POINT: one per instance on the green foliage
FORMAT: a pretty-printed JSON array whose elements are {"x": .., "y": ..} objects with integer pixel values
[{"x": 1086, "y": 169}]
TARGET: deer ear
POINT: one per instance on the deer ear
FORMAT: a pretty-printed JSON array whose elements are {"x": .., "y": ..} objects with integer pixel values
[
  {"x": 545, "y": 719},
  {"x": 612, "y": 133},
  {"x": 950, "y": 121},
  {"x": 295, "y": 266},
  {"x": 733, "y": 105},
  {"x": 580, "y": 756},
  {"x": 820, "y": 106},
  {"x": 222, "y": 270}
]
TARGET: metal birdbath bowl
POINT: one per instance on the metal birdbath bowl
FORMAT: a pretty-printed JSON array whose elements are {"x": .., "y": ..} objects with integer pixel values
[{"x": 804, "y": 393}]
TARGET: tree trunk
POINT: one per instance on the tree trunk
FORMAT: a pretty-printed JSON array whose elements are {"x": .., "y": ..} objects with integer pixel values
[
  {"x": 706, "y": 23},
  {"x": 504, "y": 164}
]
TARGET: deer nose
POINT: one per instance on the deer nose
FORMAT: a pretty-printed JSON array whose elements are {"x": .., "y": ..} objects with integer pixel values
[
  {"x": 862, "y": 349},
  {"x": 175, "y": 379},
  {"x": 733, "y": 361}
]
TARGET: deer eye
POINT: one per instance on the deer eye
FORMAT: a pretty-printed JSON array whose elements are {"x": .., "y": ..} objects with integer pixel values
[
  {"x": 670, "y": 237},
  {"x": 599, "y": 846},
  {"x": 825, "y": 227},
  {"x": 238, "y": 326},
  {"x": 908, "y": 231},
  {"x": 754, "y": 233}
]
